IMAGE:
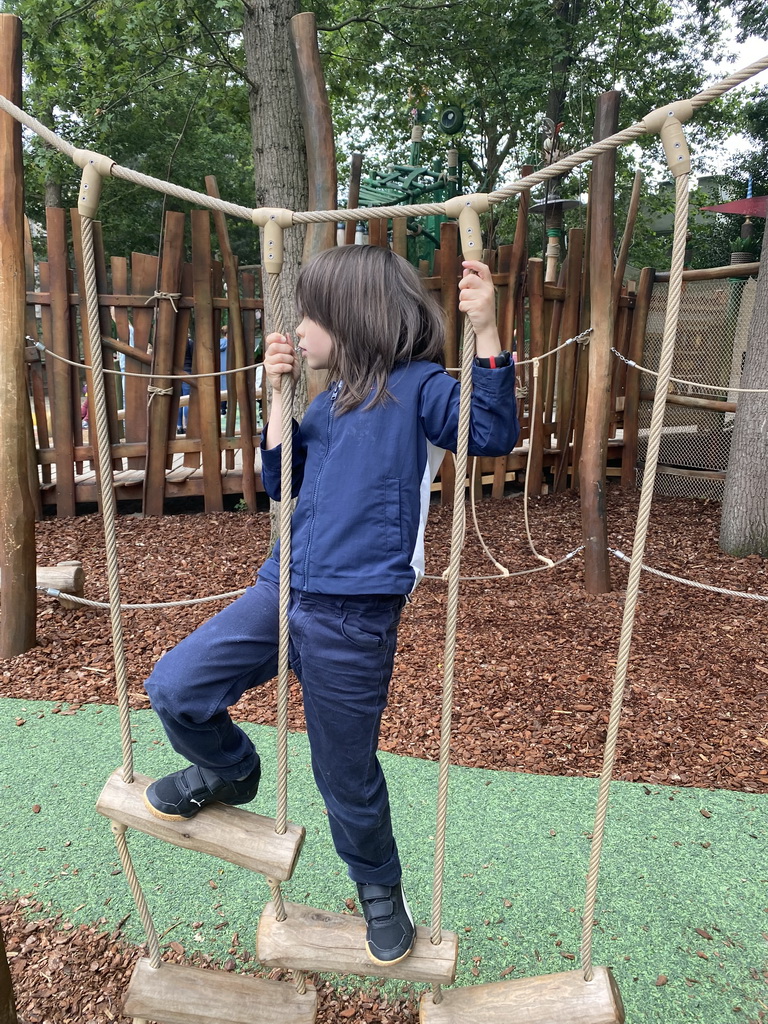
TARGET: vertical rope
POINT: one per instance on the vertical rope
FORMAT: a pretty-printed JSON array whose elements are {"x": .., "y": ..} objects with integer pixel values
[
  {"x": 635, "y": 569},
  {"x": 457, "y": 538},
  {"x": 277, "y": 897},
  {"x": 108, "y": 506},
  {"x": 118, "y": 830},
  {"x": 286, "y": 478},
  {"x": 281, "y": 817}
]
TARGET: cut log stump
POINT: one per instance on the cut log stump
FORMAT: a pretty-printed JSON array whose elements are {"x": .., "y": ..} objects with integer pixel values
[
  {"x": 563, "y": 998},
  {"x": 317, "y": 940},
  {"x": 231, "y": 833},
  {"x": 171, "y": 994},
  {"x": 66, "y": 577}
]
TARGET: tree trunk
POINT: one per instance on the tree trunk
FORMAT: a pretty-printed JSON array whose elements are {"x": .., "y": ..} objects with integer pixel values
[
  {"x": 280, "y": 162},
  {"x": 279, "y": 150},
  {"x": 744, "y": 520}
]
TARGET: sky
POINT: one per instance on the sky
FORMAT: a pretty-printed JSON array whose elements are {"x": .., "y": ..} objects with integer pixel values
[{"x": 751, "y": 50}]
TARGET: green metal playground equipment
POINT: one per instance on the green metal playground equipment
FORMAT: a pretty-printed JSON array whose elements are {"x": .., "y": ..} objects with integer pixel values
[{"x": 407, "y": 184}]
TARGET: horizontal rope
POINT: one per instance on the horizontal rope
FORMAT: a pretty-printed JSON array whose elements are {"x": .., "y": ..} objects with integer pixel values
[
  {"x": 72, "y": 598},
  {"x": 52, "y": 592},
  {"x": 578, "y": 339},
  {"x": 554, "y": 170},
  {"x": 691, "y": 383},
  {"x": 144, "y": 376},
  {"x": 691, "y": 583},
  {"x": 509, "y": 575}
]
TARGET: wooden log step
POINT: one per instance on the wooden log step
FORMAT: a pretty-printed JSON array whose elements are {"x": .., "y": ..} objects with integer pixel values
[
  {"x": 317, "y": 940},
  {"x": 171, "y": 994},
  {"x": 563, "y": 998},
  {"x": 68, "y": 577},
  {"x": 231, "y": 833}
]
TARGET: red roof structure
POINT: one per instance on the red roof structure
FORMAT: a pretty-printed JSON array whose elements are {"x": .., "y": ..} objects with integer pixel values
[{"x": 757, "y": 206}]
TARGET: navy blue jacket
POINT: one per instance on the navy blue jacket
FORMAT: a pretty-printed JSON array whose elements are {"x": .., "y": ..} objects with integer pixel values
[{"x": 363, "y": 477}]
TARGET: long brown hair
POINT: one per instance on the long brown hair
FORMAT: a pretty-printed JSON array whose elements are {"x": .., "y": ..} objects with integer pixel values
[{"x": 378, "y": 314}]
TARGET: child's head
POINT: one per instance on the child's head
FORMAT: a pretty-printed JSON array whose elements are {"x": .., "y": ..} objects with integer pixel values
[{"x": 378, "y": 313}]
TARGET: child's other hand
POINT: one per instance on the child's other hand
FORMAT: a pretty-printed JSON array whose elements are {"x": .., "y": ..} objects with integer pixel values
[
  {"x": 279, "y": 359},
  {"x": 477, "y": 297}
]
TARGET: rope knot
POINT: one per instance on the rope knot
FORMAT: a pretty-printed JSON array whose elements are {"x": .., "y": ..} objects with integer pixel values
[
  {"x": 171, "y": 296},
  {"x": 152, "y": 391}
]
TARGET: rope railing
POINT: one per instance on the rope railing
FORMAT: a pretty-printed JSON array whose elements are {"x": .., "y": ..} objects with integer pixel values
[
  {"x": 143, "y": 376},
  {"x": 690, "y": 383},
  {"x": 554, "y": 170},
  {"x": 691, "y": 583}
]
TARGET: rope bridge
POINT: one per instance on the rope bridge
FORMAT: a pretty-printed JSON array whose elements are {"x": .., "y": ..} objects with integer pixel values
[{"x": 554, "y": 997}]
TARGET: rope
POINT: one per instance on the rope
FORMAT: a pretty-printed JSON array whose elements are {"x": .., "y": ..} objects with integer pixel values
[
  {"x": 578, "y": 339},
  {"x": 691, "y": 383},
  {"x": 286, "y": 481},
  {"x": 73, "y": 599},
  {"x": 283, "y": 667},
  {"x": 510, "y": 575},
  {"x": 691, "y": 583},
  {"x": 553, "y": 170},
  {"x": 171, "y": 296},
  {"x": 126, "y": 373},
  {"x": 108, "y": 503},
  {"x": 119, "y": 830},
  {"x": 638, "y": 548},
  {"x": 503, "y": 570},
  {"x": 457, "y": 537}
]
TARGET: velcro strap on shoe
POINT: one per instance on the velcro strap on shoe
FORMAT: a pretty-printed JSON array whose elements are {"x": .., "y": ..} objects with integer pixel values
[{"x": 378, "y": 910}]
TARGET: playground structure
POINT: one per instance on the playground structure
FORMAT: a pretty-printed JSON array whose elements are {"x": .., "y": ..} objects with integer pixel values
[{"x": 169, "y": 993}]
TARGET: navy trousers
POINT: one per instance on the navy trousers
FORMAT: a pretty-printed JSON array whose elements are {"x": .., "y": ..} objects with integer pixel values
[{"x": 342, "y": 651}]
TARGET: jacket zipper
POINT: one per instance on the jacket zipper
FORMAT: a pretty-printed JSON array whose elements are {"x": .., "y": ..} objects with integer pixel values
[{"x": 334, "y": 396}]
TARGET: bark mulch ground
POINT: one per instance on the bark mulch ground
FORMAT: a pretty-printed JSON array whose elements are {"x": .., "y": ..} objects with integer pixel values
[{"x": 534, "y": 670}]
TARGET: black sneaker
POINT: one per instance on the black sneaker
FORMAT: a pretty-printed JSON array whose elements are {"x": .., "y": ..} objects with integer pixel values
[
  {"x": 391, "y": 932},
  {"x": 182, "y": 794}
]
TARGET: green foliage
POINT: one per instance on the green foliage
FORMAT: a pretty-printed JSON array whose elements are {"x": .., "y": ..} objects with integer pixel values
[
  {"x": 161, "y": 86},
  {"x": 155, "y": 85}
]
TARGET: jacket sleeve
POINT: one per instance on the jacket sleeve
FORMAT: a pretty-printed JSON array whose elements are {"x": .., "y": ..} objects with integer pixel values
[
  {"x": 493, "y": 425},
  {"x": 271, "y": 458}
]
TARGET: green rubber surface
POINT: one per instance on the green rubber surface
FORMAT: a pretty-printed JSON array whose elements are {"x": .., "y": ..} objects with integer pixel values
[{"x": 674, "y": 861}]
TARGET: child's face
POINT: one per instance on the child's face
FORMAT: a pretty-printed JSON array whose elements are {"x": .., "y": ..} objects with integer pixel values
[{"x": 315, "y": 344}]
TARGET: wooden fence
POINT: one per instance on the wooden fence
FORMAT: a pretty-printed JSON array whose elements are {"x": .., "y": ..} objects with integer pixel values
[{"x": 218, "y": 455}]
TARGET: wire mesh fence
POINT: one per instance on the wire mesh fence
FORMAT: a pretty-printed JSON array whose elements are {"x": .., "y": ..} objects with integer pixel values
[{"x": 709, "y": 355}]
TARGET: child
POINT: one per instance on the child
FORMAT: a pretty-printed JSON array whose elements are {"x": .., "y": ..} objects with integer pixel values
[{"x": 364, "y": 457}]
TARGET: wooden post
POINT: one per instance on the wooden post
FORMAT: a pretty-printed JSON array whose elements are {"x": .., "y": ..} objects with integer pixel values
[
  {"x": 536, "y": 410},
  {"x": 7, "y": 1002},
  {"x": 632, "y": 386},
  {"x": 626, "y": 239},
  {"x": 207, "y": 356},
  {"x": 592, "y": 465},
  {"x": 60, "y": 390},
  {"x": 241, "y": 354},
  {"x": 159, "y": 409},
  {"x": 566, "y": 360},
  {"x": 516, "y": 264},
  {"x": 321, "y": 151},
  {"x": 450, "y": 271},
  {"x": 353, "y": 196},
  {"x": 17, "y": 511},
  {"x": 32, "y": 380},
  {"x": 318, "y": 130}
]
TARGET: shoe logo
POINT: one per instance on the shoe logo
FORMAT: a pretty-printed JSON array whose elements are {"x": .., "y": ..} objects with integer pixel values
[{"x": 198, "y": 802}]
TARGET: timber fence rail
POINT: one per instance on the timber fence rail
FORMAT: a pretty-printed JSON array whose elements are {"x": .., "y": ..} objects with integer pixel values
[{"x": 143, "y": 354}]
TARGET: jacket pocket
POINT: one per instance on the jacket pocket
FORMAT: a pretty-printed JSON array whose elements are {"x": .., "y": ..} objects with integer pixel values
[{"x": 393, "y": 514}]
